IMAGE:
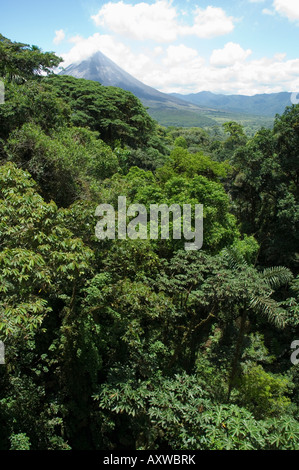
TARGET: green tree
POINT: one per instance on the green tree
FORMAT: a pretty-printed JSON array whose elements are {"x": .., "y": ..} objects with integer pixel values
[
  {"x": 169, "y": 188},
  {"x": 20, "y": 62},
  {"x": 67, "y": 165},
  {"x": 115, "y": 113},
  {"x": 286, "y": 136},
  {"x": 265, "y": 196},
  {"x": 28, "y": 103},
  {"x": 48, "y": 345}
]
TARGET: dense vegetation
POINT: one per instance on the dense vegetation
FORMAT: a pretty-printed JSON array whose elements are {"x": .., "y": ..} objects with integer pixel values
[{"x": 139, "y": 344}]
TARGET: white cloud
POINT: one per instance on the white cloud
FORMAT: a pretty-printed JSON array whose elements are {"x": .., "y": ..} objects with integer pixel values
[
  {"x": 267, "y": 11},
  {"x": 258, "y": 76},
  {"x": 177, "y": 55},
  {"x": 266, "y": 75},
  {"x": 141, "y": 21},
  {"x": 178, "y": 68},
  {"x": 288, "y": 8},
  {"x": 280, "y": 57},
  {"x": 158, "y": 51},
  {"x": 229, "y": 55},
  {"x": 86, "y": 47},
  {"x": 209, "y": 23},
  {"x": 159, "y": 21},
  {"x": 136, "y": 64},
  {"x": 59, "y": 36}
]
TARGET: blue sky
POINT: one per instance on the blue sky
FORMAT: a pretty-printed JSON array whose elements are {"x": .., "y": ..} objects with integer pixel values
[{"x": 241, "y": 46}]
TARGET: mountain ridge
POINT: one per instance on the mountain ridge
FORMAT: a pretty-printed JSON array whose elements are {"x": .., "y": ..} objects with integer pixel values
[
  {"x": 263, "y": 104},
  {"x": 101, "y": 69},
  {"x": 203, "y": 109}
]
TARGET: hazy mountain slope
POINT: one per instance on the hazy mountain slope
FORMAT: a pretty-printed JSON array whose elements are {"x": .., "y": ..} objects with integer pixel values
[{"x": 260, "y": 105}]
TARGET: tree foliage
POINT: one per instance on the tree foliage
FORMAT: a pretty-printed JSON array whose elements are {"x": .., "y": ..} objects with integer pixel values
[
  {"x": 141, "y": 344},
  {"x": 115, "y": 113},
  {"x": 265, "y": 189},
  {"x": 20, "y": 62}
]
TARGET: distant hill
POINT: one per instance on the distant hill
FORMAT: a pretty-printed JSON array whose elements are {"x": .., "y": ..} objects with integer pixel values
[
  {"x": 259, "y": 105},
  {"x": 171, "y": 109}
]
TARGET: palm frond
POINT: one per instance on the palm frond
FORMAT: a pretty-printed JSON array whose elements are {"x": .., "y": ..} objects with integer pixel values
[
  {"x": 269, "y": 308},
  {"x": 277, "y": 276},
  {"x": 233, "y": 258}
]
